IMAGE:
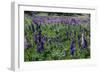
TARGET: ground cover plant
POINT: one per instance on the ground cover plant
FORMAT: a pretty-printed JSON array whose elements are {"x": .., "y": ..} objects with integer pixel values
[{"x": 56, "y": 36}]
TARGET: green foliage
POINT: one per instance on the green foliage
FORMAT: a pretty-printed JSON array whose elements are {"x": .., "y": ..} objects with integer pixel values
[{"x": 57, "y": 44}]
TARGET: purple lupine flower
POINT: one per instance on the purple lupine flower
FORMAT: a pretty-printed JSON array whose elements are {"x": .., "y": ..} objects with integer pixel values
[
  {"x": 64, "y": 19},
  {"x": 35, "y": 21},
  {"x": 72, "y": 48},
  {"x": 79, "y": 41},
  {"x": 39, "y": 36},
  {"x": 84, "y": 42},
  {"x": 73, "y": 21},
  {"x": 40, "y": 47}
]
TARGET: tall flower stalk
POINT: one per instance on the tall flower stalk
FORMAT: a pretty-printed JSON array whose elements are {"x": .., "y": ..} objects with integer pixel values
[{"x": 72, "y": 48}]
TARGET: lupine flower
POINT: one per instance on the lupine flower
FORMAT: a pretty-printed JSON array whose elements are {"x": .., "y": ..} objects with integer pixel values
[
  {"x": 35, "y": 22},
  {"x": 79, "y": 41},
  {"x": 64, "y": 19},
  {"x": 72, "y": 48},
  {"x": 39, "y": 36},
  {"x": 84, "y": 42},
  {"x": 40, "y": 47},
  {"x": 73, "y": 21}
]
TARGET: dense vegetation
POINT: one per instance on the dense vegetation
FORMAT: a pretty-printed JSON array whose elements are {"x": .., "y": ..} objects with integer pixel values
[{"x": 55, "y": 41}]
